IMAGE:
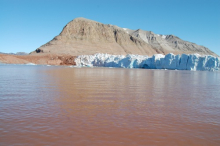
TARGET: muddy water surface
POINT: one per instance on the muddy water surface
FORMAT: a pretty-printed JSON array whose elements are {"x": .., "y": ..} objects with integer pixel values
[{"x": 100, "y": 106}]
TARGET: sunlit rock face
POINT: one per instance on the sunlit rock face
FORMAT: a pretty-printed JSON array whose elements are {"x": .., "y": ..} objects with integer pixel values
[{"x": 158, "y": 61}]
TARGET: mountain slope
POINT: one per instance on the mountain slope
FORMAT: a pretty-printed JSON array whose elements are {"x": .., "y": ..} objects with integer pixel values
[
  {"x": 85, "y": 37},
  {"x": 169, "y": 43}
]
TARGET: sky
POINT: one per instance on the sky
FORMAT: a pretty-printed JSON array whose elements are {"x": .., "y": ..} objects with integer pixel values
[{"x": 25, "y": 25}]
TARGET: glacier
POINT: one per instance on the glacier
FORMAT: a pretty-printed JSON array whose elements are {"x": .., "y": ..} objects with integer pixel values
[{"x": 158, "y": 61}]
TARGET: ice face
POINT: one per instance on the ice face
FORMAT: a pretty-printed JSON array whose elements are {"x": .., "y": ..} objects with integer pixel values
[
  {"x": 193, "y": 61},
  {"x": 171, "y": 61},
  {"x": 158, "y": 61},
  {"x": 183, "y": 62}
]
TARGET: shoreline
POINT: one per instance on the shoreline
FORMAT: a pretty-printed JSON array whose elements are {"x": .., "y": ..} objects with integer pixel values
[
  {"x": 157, "y": 61},
  {"x": 42, "y": 59}
]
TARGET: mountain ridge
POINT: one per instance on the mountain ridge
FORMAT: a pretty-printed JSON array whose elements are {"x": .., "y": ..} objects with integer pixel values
[{"x": 82, "y": 36}]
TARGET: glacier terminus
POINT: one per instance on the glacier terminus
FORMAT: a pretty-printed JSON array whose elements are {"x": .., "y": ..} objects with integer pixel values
[{"x": 158, "y": 61}]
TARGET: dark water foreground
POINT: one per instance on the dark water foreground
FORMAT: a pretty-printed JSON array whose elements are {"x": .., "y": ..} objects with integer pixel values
[{"x": 100, "y": 106}]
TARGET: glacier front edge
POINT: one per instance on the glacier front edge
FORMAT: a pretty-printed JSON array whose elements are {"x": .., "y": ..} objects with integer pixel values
[{"x": 158, "y": 61}]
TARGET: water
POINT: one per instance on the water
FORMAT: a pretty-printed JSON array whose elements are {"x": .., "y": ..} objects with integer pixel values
[{"x": 42, "y": 105}]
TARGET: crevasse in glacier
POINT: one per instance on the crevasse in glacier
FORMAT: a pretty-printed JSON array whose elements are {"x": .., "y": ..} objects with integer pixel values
[{"x": 157, "y": 61}]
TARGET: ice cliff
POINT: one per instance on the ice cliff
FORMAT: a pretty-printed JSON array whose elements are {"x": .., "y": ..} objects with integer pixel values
[{"x": 158, "y": 61}]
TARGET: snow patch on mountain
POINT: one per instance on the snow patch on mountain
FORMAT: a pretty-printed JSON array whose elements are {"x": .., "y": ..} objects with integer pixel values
[
  {"x": 163, "y": 36},
  {"x": 126, "y": 30}
]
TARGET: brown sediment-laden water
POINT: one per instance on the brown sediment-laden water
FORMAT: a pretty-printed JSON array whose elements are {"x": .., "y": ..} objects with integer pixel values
[{"x": 41, "y": 105}]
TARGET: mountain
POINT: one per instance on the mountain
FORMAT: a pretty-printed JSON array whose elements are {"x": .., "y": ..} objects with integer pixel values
[
  {"x": 85, "y": 37},
  {"x": 18, "y": 53},
  {"x": 21, "y": 53},
  {"x": 169, "y": 43},
  {"x": 7, "y": 53}
]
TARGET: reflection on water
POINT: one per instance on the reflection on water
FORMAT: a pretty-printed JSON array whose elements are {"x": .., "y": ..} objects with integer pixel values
[{"x": 101, "y": 106}]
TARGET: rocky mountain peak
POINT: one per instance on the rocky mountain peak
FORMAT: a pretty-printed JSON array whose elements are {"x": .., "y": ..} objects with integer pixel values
[{"x": 82, "y": 36}]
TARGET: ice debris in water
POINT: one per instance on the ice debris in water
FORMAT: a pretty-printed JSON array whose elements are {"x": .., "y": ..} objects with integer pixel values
[{"x": 158, "y": 61}]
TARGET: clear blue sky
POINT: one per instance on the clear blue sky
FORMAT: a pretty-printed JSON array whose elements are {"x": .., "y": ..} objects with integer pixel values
[{"x": 25, "y": 25}]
